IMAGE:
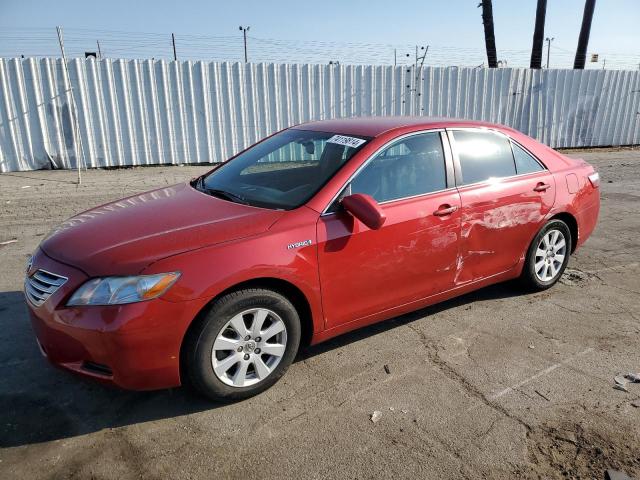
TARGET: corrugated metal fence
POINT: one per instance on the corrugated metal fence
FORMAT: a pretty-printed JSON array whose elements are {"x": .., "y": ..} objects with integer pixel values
[{"x": 141, "y": 112}]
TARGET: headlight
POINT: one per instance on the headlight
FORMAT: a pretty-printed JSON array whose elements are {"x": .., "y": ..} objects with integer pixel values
[{"x": 119, "y": 290}]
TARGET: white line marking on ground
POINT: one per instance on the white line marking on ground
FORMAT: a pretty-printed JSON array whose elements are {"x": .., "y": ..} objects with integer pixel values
[{"x": 539, "y": 374}]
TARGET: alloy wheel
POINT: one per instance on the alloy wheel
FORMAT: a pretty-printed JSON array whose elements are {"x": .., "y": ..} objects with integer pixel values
[
  {"x": 550, "y": 255},
  {"x": 249, "y": 347}
]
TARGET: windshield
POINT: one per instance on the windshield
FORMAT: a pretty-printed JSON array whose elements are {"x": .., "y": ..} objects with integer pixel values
[{"x": 284, "y": 171}]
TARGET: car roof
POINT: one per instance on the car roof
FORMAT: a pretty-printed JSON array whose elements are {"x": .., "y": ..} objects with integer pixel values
[{"x": 375, "y": 126}]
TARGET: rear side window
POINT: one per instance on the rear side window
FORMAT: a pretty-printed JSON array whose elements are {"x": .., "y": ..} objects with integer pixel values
[
  {"x": 411, "y": 166},
  {"x": 483, "y": 155},
  {"x": 525, "y": 163}
]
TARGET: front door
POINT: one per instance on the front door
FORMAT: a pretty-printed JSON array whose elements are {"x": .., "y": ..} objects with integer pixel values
[{"x": 364, "y": 272}]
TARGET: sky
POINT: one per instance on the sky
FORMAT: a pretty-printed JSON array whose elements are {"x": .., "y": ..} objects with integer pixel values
[{"x": 348, "y": 31}]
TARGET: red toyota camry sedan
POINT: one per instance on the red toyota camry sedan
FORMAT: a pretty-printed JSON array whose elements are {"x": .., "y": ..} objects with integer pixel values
[{"x": 314, "y": 231}]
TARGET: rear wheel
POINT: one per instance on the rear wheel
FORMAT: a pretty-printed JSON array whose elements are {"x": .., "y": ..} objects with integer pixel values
[
  {"x": 547, "y": 256},
  {"x": 243, "y": 345}
]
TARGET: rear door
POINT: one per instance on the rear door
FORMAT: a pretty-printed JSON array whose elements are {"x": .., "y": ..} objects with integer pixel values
[
  {"x": 506, "y": 194},
  {"x": 364, "y": 272}
]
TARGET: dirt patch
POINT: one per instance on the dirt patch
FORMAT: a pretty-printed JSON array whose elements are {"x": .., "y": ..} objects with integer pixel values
[
  {"x": 574, "y": 450},
  {"x": 574, "y": 277}
]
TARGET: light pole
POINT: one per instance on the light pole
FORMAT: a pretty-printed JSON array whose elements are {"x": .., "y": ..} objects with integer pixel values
[
  {"x": 549, "y": 40},
  {"x": 244, "y": 31}
]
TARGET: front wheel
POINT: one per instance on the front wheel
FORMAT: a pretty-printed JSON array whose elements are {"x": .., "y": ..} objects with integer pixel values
[
  {"x": 547, "y": 256},
  {"x": 243, "y": 345}
]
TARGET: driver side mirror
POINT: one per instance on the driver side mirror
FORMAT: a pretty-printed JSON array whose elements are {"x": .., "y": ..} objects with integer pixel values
[{"x": 365, "y": 209}]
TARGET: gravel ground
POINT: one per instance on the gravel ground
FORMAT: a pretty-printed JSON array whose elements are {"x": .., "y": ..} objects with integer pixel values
[{"x": 495, "y": 384}]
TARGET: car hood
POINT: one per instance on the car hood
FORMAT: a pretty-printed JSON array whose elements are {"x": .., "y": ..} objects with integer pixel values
[{"x": 125, "y": 236}]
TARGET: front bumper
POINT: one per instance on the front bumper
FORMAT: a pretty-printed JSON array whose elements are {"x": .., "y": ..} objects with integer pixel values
[{"x": 134, "y": 346}]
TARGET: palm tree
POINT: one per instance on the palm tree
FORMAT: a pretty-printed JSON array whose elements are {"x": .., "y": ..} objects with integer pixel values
[
  {"x": 585, "y": 30},
  {"x": 538, "y": 35},
  {"x": 489, "y": 35}
]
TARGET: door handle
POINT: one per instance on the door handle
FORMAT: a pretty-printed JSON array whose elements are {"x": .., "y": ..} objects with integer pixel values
[
  {"x": 444, "y": 210},
  {"x": 541, "y": 187}
]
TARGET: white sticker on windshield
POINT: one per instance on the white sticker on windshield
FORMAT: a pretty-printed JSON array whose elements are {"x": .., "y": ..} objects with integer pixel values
[{"x": 348, "y": 141}]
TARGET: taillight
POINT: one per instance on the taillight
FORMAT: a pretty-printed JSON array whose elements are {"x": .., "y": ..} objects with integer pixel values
[{"x": 594, "y": 178}]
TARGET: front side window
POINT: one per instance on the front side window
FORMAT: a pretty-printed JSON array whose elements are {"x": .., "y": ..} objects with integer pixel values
[
  {"x": 483, "y": 155},
  {"x": 525, "y": 163},
  {"x": 284, "y": 171},
  {"x": 411, "y": 166}
]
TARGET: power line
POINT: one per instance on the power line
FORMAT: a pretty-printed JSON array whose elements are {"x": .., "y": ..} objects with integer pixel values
[{"x": 41, "y": 42}]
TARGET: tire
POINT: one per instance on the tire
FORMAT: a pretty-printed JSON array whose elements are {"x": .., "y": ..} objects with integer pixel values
[
  {"x": 541, "y": 278},
  {"x": 224, "y": 362}
]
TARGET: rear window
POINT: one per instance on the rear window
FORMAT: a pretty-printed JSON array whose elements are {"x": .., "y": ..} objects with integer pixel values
[
  {"x": 525, "y": 163},
  {"x": 483, "y": 155}
]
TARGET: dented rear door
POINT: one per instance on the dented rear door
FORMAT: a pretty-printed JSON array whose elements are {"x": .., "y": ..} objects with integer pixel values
[{"x": 500, "y": 215}]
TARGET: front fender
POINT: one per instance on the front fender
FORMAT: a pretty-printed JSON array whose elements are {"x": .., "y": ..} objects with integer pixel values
[{"x": 286, "y": 252}]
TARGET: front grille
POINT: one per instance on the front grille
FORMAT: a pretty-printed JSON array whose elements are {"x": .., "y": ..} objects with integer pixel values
[{"x": 41, "y": 285}]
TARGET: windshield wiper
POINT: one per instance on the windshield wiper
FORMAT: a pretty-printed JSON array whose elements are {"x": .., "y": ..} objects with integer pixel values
[
  {"x": 199, "y": 185},
  {"x": 225, "y": 195}
]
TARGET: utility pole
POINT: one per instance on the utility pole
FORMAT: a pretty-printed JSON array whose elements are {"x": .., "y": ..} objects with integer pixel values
[
  {"x": 538, "y": 35},
  {"x": 72, "y": 107},
  {"x": 585, "y": 30},
  {"x": 244, "y": 31},
  {"x": 173, "y": 40},
  {"x": 421, "y": 58},
  {"x": 395, "y": 57},
  {"x": 99, "y": 51},
  {"x": 549, "y": 40},
  {"x": 418, "y": 76}
]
